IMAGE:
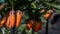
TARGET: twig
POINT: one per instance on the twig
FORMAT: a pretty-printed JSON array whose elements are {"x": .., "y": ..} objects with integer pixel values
[{"x": 47, "y": 27}]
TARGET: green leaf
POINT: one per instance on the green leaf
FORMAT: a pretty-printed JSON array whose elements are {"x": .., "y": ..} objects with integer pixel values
[
  {"x": 33, "y": 5},
  {"x": 52, "y": 4}
]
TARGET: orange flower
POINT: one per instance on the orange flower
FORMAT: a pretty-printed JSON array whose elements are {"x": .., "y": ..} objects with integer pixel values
[
  {"x": 11, "y": 19},
  {"x": 8, "y": 22},
  {"x": 29, "y": 24},
  {"x": 48, "y": 14},
  {"x": 2, "y": 22},
  {"x": 18, "y": 18},
  {"x": 37, "y": 26}
]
